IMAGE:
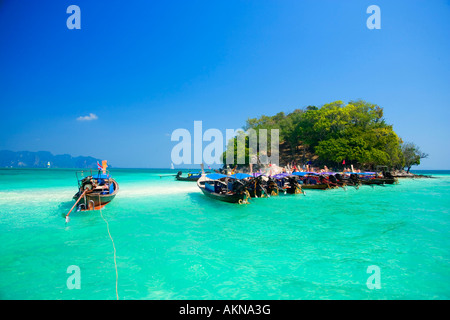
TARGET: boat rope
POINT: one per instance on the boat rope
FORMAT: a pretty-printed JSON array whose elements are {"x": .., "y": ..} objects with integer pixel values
[{"x": 114, "y": 247}]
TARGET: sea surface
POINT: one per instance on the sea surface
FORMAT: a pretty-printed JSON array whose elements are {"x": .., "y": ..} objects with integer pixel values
[{"x": 174, "y": 243}]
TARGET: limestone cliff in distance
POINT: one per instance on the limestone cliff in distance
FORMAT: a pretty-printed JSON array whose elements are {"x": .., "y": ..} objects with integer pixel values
[{"x": 44, "y": 159}]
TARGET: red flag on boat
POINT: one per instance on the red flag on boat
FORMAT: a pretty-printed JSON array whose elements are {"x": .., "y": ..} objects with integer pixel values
[{"x": 99, "y": 167}]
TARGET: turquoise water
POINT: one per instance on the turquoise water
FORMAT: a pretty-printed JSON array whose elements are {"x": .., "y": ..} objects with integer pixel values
[{"x": 174, "y": 243}]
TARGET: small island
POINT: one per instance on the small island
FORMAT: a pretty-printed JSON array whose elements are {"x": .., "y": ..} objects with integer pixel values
[{"x": 337, "y": 136}]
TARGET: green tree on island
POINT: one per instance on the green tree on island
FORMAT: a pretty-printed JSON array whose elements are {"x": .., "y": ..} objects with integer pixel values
[
  {"x": 412, "y": 155},
  {"x": 355, "y": 132}
]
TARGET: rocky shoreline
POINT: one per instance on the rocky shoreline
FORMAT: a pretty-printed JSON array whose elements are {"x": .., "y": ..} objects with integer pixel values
[{"x": 404, "y": 174}]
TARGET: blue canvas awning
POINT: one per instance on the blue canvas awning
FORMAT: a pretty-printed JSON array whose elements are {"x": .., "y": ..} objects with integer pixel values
[
  {"x": 302, "y": 174},
  {"x": 215, "y": 176},
  {"x": 280, "y": 175},
  {"x": 240, "y": 176},
  {"x": 101, "y": 176}
]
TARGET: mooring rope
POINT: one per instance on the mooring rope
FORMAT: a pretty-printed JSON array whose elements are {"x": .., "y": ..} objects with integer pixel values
[{"x": 114, "y": 247}]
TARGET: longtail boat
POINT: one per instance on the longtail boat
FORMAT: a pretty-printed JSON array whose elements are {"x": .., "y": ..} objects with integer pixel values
[
  {"x": 95, "y": 190},
  {"x": 190, "y": 177},
  {"x": 223, "y": 188},
  {"x": 289, "y": 183},
  {"x": 369, "y": 178},
  {"x": 312, "y": 180},
  {"x": 259, "y": 186},
  {"x": 365, "y": 178},
  {"x": 388, "y": 178}
]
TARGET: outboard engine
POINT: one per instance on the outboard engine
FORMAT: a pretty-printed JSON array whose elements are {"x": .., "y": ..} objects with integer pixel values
[
  {"x": 87, "y": 184},
  {"x": 332, "y": 179},
  {"x": 387, "y": 174},
  {"x": 238, "y": 186}
]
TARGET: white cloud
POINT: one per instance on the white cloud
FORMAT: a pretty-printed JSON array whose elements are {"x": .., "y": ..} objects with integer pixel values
[{"x": 90, "y": 117}]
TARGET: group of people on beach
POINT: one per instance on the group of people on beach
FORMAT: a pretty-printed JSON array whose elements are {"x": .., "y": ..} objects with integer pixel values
[
  {"x": 293, "y": 167},
  {"x": 273, "y": 169},
  {"x": 308, "y": 168}
]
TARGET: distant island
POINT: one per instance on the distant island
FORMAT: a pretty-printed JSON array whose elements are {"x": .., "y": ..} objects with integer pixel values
[{"x": 44, "y": 159}]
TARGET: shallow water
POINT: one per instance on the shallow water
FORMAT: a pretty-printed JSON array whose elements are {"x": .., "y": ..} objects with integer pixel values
[{"x": 174, "y": 243}]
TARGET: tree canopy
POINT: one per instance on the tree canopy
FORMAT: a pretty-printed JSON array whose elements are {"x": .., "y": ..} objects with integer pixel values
[
  {"x": 355, "y": 132},
  {"x": 412, "y": 155}
]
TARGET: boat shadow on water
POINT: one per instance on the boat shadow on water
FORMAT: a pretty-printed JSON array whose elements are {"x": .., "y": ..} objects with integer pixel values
[
  {"x": 65, "y": 206},
  {"x": 199, "y": 199}
]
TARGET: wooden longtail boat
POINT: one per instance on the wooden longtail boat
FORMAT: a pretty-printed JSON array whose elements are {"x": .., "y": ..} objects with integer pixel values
[
  {"x": 190, "y": 176},
  {"x": 95, "y": 190},
  {"x": 387, "y": 176},
  {"x": 372, "y": 182},
  {"x": 366, "y": 178},
  {"x": 311, "y": 180},
  {"x": 223, "y": 188},
  {"x": 389, "y": 180},
  {"x": 319, "y": 186},
  {"x": 259, "y": 188},
  {"x": 370, "y": 178},
  {"x": 288, "y": 183}
]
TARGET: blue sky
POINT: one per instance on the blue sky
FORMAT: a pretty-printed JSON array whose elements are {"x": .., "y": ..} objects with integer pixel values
[{"x": 146, "y": 68}]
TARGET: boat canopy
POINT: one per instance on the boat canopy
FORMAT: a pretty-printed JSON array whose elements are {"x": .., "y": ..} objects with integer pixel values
[
  {"x": 215, "y": 176},
  {"x": 281, "y": 175},
  {"x": 301, "y": 174},
  {"x": 240, "y": 176},
  {"x": 101, "y": 176}
]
